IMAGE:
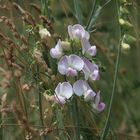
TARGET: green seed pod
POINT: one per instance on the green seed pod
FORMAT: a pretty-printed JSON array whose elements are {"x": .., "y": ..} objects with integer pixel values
[
  {"x": 129, "y": 39},
  {"x": 124, "y": 10},
  {"x": 125, "y": 24}
]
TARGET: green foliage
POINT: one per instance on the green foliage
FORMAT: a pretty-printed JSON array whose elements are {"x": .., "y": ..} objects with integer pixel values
[{"x": 28, "y": 75}]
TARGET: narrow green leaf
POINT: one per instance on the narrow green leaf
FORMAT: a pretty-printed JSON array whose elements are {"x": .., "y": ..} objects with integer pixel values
[{"x": 78, "y": 13}]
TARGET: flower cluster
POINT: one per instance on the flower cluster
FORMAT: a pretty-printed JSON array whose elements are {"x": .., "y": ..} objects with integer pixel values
[{"x": 75, "y": 62}]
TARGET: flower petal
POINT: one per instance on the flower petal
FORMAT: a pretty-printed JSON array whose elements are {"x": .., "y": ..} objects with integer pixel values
[
  {"x": 71, "y": 72},
  {"x": 87, "y": 36},
  {"x": 97, "y": 99},
  {"x": 70, "y": 31},
  {"x": 95, "y": 75},
  {"x": 57, "y": 52},
  {"x": 80, "y": 87},
  {"x": 76, "y": 62},
  {"x": 92, "y": 51},
  {"x": 100, "y": 107},
  {"x": 58, "y": 89},
  {"x": 85, "y": 45},
  {"x": 58, "y": 46},
  {"x": 67, "y": 90},
  {"x": 89, "y": 95},
  {"x": 90, "y": 65},
  {"x": 63, "y": 65},
  {"x": 86, "y": 72},
  {"x": 78, "y": 31},
  {"x": 90, "y": 70}
]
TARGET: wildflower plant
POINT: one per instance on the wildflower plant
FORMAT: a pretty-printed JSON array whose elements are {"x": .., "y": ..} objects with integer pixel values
[
  {"x": 53, "y": 85},
  {"x": 75, "y": 64}
]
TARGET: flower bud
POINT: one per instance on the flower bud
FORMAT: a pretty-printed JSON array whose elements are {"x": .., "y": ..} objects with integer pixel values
[
  {"x": 123, "y": 10},
  {"x": 65, "y": 45},
  {"x": 125, "y": 47},
  {"x": 44, "y": 33},
  {"x": 125, "y": 24}
]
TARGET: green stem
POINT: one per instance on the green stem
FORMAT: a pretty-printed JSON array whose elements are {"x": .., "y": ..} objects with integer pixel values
[
  {"x": 44, "y": 7},
  {"x": 107, "y": 123},
  {"x": 39, "y": 97},
  {"x": 40, "y": 101},
  {"x": 75, "y": 116},
  {"x": 60, "y": 122},
  {"x": 91, "y": 14},
  {"x": 105, "y": 130},
  {"x": 77, "y": 11}
]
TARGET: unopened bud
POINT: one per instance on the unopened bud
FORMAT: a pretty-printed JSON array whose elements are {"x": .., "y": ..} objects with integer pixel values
[
  {"x": 125, "y": 23},
  {"x": 123, "y": 10},
  {"x": 44, "y": 33},
  {"x": 65, "y": 45},
  {"x": 125, "y": 47}
]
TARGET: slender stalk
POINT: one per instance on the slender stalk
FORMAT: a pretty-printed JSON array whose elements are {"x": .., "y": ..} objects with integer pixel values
[
  {"x": 74, "y": 108},
  {"x": 107, "y": 123},
  {"x": 44, "y": 7},
  {"x": 105, "y": 130},
  {"x": 91, "y": 14},
  {"x": 60, "y": 122},
  {"x": 77, "y": 11},
  {"x": 40, "y": 100},
  {"x": 75, "y": 116}
]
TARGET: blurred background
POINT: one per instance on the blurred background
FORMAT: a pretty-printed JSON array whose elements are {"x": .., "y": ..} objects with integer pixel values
[{"x": 24, "y": 75}]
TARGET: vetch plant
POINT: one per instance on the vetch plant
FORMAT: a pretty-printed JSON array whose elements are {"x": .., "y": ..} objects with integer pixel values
[
  {"x": 76, "y": 65},
  {"x": 61, "y": 81},
  {"x": 79, "y": 70}
]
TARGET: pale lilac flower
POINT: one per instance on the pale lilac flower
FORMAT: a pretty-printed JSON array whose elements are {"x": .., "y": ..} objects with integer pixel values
[
  {"x": 57, "y": 52},
  {"x": 63, "y": 91},
  {"x": 87, "y": 48},
  {"x": 81, "y": 87},
  {"x": 69, "y": 65},
  {"x": 77, "y": 32},
  {"x": 91, "y": 70},
  {"x": 98, "y": 106}
]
